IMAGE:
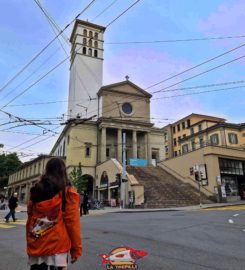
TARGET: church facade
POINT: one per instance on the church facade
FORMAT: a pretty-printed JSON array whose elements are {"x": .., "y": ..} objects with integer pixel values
[{"x": 98, "y": 118}]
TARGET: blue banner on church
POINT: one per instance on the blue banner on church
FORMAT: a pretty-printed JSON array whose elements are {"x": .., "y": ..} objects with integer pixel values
[{"x": 138, "y": 162}]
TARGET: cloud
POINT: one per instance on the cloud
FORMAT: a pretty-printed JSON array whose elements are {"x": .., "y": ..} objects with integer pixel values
[
  {"x": 228, "y": 19},
  {"x": 145, "y": 67}
]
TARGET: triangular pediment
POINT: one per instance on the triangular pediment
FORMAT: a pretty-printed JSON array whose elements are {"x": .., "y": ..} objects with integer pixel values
[{"x": 125, "y": 87}]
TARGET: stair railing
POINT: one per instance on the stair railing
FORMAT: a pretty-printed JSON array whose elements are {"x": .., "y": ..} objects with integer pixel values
[{"x": 189, "y": 179}]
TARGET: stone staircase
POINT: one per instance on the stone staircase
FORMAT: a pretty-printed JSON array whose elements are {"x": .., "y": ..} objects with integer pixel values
[{"x": 164, "y": 190}]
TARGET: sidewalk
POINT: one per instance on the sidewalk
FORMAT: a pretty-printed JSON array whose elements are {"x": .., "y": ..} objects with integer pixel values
[{"x": 23, "y": 208}]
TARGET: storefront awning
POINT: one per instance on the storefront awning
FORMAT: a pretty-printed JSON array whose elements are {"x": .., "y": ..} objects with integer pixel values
[
  {"x": 116, "y": 186},
  {"x": 102, "y": 188}
]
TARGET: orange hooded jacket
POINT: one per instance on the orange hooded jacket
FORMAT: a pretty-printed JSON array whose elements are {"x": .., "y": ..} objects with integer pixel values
[{"x": 50, "y": 231}]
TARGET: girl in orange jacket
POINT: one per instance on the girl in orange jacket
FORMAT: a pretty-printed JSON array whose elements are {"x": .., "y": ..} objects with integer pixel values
[{"x": 53, "y": 225}]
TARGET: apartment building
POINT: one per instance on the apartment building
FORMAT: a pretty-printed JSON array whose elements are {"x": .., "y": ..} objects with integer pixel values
[
  {"x": 183, "y": 128},
  {"x": 217, "y": 146}
]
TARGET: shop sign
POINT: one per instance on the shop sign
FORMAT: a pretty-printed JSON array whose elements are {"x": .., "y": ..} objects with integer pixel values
[{"x": 138, "y": 162}]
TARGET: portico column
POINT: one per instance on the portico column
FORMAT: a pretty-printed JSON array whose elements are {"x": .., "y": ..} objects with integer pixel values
[
  {"x": 146, "y": 146},
  {"x": 134, "y": 144},
  {"x": 27, "y": 192},
  {"x": 19, "y": 193},
  {"x": 103, "y": 145},
  {"x": 119, "y": 145},
  {"x": 149, "y": 149}
]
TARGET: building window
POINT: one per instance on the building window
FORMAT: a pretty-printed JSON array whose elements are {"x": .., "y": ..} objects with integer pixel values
[
  {"x": 178, "y": 127},
  {"x": 85, "y": 32},
  {"x": 107, "y": 152},
  {"x": 185, "y": 148},
  {"x": 188, "y": 123},
  {"x": 232, "y": 138},
  {"x": 183, "y": 125},
  {"x": 90, "y": 52},
  {"x": 96, "y": 44},
  {"x": 175, "y": 142},
  {"x": 64, "y": 146},
  {"x": 95, "y": 53},
  {"x": 201, "y": 142},
  {"x": 165, "y": 137},
  {"x": 87, "y": 151},
  {"x": 90, "y": 43},
  {"x": 90, "y": 34},
  {"x": 184, "y": 135},
  {"x": 192, "y": 131},
  {"x": 214, "y": 139},
  {"x": 175, "y": 153},
  {"x": 200, "y": 127},
  {"x": 84, "y": 41},
  {"x": 173, "y": 129},
  {"x": 95, "y": 35},
  {"x": 127, "y": 108},
  {"x": 84, "y": 50},
  {"x": 179, "y": 138},
  {"x": 166, "y": 149},
  {"x": 229, "y": 166},
  {"x": 193, "y": 145}
]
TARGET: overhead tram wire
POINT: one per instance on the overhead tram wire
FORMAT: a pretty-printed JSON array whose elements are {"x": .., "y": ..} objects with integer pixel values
[
  {"x": 106, "y": 27},
  {"x": 174, "y": 40},
  {"x": 59, "y": 30},
  {"x": 20, "y": 119},
  {"x": 32, "y": 139},
  {"x": 52, "y": 23},
  {"x": 55, "y": 28},
  {"x": 196, "y": 66},
  {"x": 64, "y": 60},
  {"x": 201, "y": 92},
  {"x": 39, "y": 53},
  {"x": 156, "y": 92},
  {"x": 104, "y": 10},
  {"x": 187, "y": 79}
]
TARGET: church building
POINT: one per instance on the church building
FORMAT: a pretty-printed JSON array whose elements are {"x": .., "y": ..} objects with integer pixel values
[{"x": 98, "y": 117}]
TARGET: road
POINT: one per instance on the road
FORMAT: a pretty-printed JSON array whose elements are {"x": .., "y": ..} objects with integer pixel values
[{"x": 182, "y": 240}]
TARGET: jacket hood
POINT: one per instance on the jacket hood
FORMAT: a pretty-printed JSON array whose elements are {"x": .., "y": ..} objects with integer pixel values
[{"x": 47, "y": 205}]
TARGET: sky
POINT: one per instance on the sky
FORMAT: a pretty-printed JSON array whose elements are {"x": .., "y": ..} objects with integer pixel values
[{"x": 25, "y": 31}]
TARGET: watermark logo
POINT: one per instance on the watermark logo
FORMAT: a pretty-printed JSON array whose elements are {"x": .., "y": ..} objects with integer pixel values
[{"x": 123, "y": 258}]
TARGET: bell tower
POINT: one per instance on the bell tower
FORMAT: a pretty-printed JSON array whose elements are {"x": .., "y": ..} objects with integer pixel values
[{"x": 86, "y": 69}]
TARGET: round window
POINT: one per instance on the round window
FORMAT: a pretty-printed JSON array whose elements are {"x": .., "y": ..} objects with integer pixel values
[{"x": 127, "y": 108}]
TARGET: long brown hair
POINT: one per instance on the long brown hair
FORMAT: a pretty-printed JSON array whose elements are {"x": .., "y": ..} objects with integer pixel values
[
  {"x": 56, "y": 172},
  {"x": 53, "y": 181}
]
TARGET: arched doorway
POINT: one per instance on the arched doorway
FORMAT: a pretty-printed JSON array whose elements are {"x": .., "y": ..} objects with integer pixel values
[{"x": 90, "y": 185}]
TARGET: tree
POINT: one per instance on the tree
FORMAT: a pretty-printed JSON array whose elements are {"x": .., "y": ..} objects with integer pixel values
[
  {"x": 78, "y": 180},
  {"x": 9, "y": 163}
]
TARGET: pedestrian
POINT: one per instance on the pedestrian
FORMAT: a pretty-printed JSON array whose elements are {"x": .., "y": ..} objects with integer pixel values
[
  {"x": 85, "y": 204},
  {"x": 53, "y": 224},
  {"x": 2, "y": 203},
  {"x": 13, "y": 204},
  {"x": 81, "y": 203}
]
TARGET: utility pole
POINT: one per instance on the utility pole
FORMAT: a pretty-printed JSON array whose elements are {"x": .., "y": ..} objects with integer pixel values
[
  {"x": 124, "y": 177},
  {"x": 199, "y": 186}
]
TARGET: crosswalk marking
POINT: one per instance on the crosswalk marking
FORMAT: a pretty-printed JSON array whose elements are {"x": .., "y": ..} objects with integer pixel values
[
  {"x": 11, "y": 224},
  {"x": 225, "y": 208},
  {"x": 6, "y": 226}
]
